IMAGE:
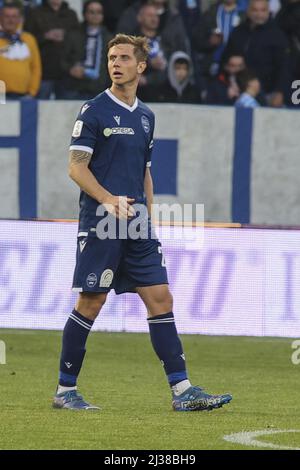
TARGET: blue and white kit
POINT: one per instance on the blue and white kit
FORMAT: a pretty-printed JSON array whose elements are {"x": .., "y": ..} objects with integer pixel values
[{"x": 120, "y": 139}]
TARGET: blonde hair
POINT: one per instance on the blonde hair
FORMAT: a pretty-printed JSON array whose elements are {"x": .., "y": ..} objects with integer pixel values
[{"x": 140, "y": 44}]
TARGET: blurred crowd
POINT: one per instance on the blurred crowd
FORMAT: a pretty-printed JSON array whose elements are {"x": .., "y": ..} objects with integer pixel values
[{"x": 227, "y": 52}]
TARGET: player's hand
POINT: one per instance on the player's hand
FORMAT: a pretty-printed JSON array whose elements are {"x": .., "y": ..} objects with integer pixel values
[{"x": 119, "y": 206}]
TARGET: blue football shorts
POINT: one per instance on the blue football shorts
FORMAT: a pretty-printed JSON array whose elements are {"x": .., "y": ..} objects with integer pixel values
[{"x": 122, "y": 265}]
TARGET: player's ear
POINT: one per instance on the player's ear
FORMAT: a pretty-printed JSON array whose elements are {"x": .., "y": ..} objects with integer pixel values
[{"x": 141, "y": 67}]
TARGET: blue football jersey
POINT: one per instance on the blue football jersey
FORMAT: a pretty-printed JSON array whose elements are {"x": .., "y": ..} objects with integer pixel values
[{"x": 120, "y": 138}]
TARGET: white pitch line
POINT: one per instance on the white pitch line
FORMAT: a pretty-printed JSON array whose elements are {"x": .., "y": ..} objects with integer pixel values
[{"x": 249, "y": 438}]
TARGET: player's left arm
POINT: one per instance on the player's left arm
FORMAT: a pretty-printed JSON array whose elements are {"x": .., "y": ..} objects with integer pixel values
[
  {"x": 148, "y": 183},
  {"x": 148, "y": 188}
]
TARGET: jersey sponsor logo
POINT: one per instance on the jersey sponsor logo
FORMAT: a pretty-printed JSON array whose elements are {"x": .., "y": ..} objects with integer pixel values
[
  {"x": 77, "y": 129},
  {"x": 106, "y": 278},
  {"x": 118, "y": 130},
  {"x": 84, "y": 108},
  {"x": 146, "y": 124},
  {"x": 91, "y": 280},
  {"x": 117, "y": 119},
  {"x": 122, "y": 130}
]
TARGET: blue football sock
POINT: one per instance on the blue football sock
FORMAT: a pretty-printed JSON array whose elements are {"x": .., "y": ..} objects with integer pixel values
[
  {"x": 75, "y": 335},
  {"x": 167, "y": 345}
]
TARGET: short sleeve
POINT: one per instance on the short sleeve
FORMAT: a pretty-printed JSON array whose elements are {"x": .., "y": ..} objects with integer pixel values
[{"x": 85, "y": 130}]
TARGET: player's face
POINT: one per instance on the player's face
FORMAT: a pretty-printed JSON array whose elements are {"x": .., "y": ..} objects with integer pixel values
[{"x": 123, "y": 66}]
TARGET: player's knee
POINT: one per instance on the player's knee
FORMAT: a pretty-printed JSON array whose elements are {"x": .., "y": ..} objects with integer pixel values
[
  {"x": 166, "y": 299},
  {"x": 162, "y": 303},
  {"x": 89, "y": 305}
]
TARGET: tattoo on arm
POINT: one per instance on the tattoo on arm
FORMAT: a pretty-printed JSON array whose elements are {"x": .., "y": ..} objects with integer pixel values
[{"x": 79, "y": 156}]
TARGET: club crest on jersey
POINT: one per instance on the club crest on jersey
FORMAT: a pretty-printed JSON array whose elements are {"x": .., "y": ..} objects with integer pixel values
[
  {"x": 117, "y": 119},
  {"x": 91, "y": 280},
  {"x": 146, "y": 124},
  {"x": 106, "y": 278}
]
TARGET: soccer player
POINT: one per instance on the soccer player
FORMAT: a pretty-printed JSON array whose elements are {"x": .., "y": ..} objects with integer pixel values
[{"x": 110, "y": 158}]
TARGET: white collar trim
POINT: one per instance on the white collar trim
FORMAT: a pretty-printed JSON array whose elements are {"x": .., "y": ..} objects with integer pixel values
[{"x": 121, "y": 103}]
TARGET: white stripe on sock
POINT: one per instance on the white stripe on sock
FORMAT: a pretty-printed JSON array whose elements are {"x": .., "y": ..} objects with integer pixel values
[
  {"x": 169, "y": 320},
  {"x": 79, "y": 323},
  {"x": 61, "y": 389}
]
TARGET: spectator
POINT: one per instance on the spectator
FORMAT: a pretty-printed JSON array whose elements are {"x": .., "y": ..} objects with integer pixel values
[
  {"x": 170, "y": 28},
  {"x": 190, "y": 11},
  {"x": 18, "y": 3},
  {"x": 113, "y": 10},
  {"x": 179, "y": 87},
  {"x": 265, "y": 49},
  {"x": 223, "y": 89},
  {"x": 206, "y": 4},
  {"x": 20, "y": 63},
  {"x": 49, "y": 23},
  {"x": 28, "y": 5},
  {"x": 155, "y": 74},
  {"x": 250, "y": 88},
  {"x": 288, "y": 20},
  {"x": 212, "y": 32},
  {"x": 242, "y": 4},
  {"x": 128, "y": 22},
  {"x": 84, "y": 57}
]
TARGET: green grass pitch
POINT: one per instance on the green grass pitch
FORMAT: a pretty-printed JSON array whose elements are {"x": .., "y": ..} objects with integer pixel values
[{"x": 122, "y": 375}]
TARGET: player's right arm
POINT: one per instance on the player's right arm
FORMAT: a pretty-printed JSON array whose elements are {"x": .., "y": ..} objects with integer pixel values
[{"x": 82, "y": 175}]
